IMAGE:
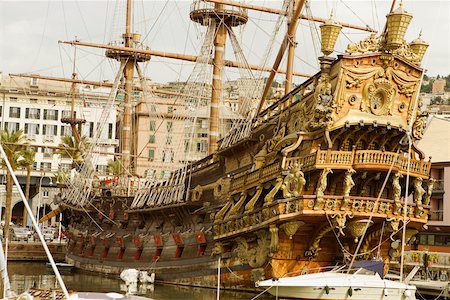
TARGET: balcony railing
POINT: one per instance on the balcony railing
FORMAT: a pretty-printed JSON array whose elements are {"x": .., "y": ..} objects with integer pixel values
[
  {"x": 438, "y": 186},
  {"x": 360, "y": 159}
]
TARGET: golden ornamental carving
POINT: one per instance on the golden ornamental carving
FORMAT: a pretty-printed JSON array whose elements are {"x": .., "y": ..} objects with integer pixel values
[
  {"x": 378, "y": 97},
  {"x": 339, "y": 221},
  {"x": 251, "y": 204},
  {"x": 291, "y": 228},
  {"x": 197, "y": 193},
  {"x": 222, "y": 187},
  {"x": 394, "y": 224},
  {"x": 256, "y": 256},
  {"x": 348, "y": 185},
  {"x": 218, "y": 249},
  {"x": 357, "y": 228},
  {"x": 370, "y": 44},
  {"x": 320, "y": 189},
  {"x": 419, "y": 191},
  {"x": 273, "y": 229},
  {"x": 220, "y": 215},
  {"x": 397, "y": 190},
  {"x": 294, "y": 182},
  {"x": 237, "y": 206},
  {"x": 313, "y": 250},
  {"x": 405, "y": 52},
  {"x": 418, "y": 128},
  {"x": 271, "y": 195},
  {"x": 324, "y": 109},
  {"x": 430, "y": 187}
]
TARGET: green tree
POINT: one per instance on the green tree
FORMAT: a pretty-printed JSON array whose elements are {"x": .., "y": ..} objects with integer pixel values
[
  {"x": 12, "y": 143},
  {"x": 27, "y": 161},
  {"x": 115, "y": 167},
  {"x": 72, "y": 149}
]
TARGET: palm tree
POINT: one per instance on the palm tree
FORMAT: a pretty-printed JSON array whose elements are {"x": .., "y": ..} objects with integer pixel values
[
  {"x": 13, "y": 146},
  {"x": 72, "y": 149},
  {"x": 27, "y": 161},
  {"x": 115, "y": 167}
]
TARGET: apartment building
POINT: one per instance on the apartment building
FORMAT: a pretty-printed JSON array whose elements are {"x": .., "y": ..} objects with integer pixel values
[
  {"x": 436, "y": 143},
  {"x": 36, "y": 106}
]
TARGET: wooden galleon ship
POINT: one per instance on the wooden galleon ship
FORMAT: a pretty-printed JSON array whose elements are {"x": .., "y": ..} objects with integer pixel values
[{"x": 291, "y": 190}]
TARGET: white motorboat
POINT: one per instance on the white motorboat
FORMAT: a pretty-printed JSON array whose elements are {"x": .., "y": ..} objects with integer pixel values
[{"x": 360, "y": 283}]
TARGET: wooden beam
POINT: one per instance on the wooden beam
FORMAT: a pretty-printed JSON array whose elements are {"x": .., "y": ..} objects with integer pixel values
[
  {"x": 191, "y": 58},
  {"x": 291, "y": 30},
  {"x": 279, "y": 11},
  {"x": 102, "y": 84}
]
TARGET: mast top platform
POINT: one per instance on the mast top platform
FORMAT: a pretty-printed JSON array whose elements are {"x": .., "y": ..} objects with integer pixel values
[
  {"x": 121, "y": 54},
  {"x": 203, "y": 12}
]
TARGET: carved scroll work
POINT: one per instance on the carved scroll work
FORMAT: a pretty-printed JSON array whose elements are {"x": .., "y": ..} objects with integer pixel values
[{"x": 376, "y": 85}]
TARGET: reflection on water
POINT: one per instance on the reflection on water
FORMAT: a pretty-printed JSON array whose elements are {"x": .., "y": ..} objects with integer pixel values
[{"x": 24, "y": 275}]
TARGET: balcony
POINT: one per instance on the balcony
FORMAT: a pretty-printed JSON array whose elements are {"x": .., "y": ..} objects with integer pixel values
[{"x": 360, "y": 160}]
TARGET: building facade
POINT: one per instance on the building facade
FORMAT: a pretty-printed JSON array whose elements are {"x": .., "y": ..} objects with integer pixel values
[{"x": 36, "y": 106}]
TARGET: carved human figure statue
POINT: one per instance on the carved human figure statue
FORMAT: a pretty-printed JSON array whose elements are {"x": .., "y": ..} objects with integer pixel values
[
  {"x": 348, "y": 182},
  {"x": 430, "y": 187},
  {"x": 321, "y": 186},
  {"x": 419, "y": 191},
  {"x": 397, "y": 190},
  {"x": 347, "y": 187}
]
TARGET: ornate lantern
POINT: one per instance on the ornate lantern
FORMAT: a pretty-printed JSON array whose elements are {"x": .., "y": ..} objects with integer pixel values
[
  {"x": 329, "y": 32},
  {"x": 419, "y": 47},
  {"x": 397, "y": 24}
]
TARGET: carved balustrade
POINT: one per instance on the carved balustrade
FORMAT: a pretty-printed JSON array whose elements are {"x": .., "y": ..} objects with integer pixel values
[
  {"x": 294, "y": 208},
  {"x": 360, "y": 159},
  {"x": 247, "y": 179}
]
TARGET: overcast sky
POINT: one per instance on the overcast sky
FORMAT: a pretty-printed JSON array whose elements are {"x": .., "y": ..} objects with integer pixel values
[{"x": 30, "y": 31}]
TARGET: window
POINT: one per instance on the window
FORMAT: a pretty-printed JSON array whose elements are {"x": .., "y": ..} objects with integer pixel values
[
  {"x": 33, "y": 100},
  {"x": 13, "y": 99},
  {"x": 151, "y": 154},
  {"x": 35, "y": 166},
  {"x": 152, "y": 125},
  {"x": 152, "y": 108},
  {"x": 31, "y": 129},
  {"x": 14, "y": 112},
  {"x": 49, "y": 130},
  {"x": 202, "y": 135},
  {"x": 50, "y": 114},
  {"x": 170, "y": 109},
  {"x": 91, "y": 129},
  {"x": 151, "y": 140},
  {"x": 68, "y": 114},
  {"x": 66, "y": 130},
  {"x": 102, "y": 169},
  {"x": 34, "y": 82},
  {"x": 1, "y": 111},
  {"x": 202, "y": 146},
  {"x": 168, "y": 156},
  {"x": 110, "y": 131},
  {"x": 45, "y": 194},
  {"x": 168, "y": 139},
  {"x": 32, "y": 113},
  {"x": 169, "y": 126},
  {"x": 204, "y": 123},
  {"x": 46, "y": 166},
  {"x": 12, "y": 126},
  {"x": 51, "y": 102},
  {"x": 149, "y": 173}
]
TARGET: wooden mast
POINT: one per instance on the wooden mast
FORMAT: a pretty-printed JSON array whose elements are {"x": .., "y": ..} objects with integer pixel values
[
  {"x": 219, "y": 48},
  {"x": 291, "y": 53},
  {"x": 128, "y": 97},
  {"x": 291, "y": 31}
]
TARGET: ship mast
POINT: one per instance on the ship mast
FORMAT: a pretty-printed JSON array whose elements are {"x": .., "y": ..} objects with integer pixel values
[
  {"x": 128, "y": 74},
  {"x": 72, "y": 120}
]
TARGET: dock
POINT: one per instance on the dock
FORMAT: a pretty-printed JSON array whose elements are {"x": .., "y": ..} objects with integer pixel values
[{"x": 33, "y": 251}]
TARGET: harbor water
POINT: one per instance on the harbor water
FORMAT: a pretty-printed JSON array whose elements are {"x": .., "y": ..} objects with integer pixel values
[{"x": 24, "y": 275}]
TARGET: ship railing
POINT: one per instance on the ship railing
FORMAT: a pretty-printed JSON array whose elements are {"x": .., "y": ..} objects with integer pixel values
[
  {"x": 293, "y": 208},
  {"x": 200, "y": 5},
  {"x": 246, "y": 178},
  {"x": 359, "y": 159}
]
